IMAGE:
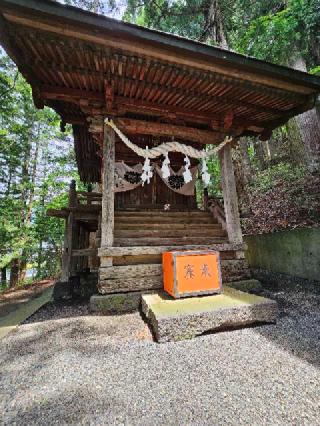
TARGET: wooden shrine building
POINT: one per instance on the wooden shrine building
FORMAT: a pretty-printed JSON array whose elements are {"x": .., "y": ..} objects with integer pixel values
[{"x": 156, "y": 87}]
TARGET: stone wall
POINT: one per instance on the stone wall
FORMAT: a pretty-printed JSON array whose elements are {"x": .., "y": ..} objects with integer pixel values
[{"x": 292, "y": 253}]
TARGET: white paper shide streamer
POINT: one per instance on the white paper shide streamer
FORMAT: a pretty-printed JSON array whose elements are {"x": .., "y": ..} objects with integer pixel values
[
  {"x": 204, "y": 173},
  {"x": 187, "y": 176},
  {"x": 165, "y": 169},
  {"x": 147, "y": 170}
]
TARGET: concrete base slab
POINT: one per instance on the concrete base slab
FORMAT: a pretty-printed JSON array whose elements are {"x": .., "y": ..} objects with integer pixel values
[
  {"x": 116, "y": 303},
  {"x": 179, "y": 319}
]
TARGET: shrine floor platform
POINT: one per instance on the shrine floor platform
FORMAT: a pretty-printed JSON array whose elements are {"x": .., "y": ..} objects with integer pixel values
[{"x": 173, "y": 320}]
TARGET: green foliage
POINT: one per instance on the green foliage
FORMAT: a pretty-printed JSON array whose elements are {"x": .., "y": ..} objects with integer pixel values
[
  {"x": 315, "y": 70},
  {"x": 182, "y": 17},
  {"x": 214, "y": 188},
  {"x": 109, "y": 7},
  {"x": 282, "y": 172},
  {"x": 34, "y": 172},
  {"x": 281, "y": 35}
]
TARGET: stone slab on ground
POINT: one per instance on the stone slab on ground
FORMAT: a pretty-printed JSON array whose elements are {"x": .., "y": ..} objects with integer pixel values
[
  {"x": 251, "y": 285},
  {"x": 174, "y": 320},
  {"x": 10, "y": 321},
  {"x": 116, "y": 303}
]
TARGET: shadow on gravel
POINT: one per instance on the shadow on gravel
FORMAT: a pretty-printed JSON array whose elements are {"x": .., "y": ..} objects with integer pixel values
[
  {"x": 73, "y": 406},
  {"x": 297, "y": 330},
  {"x": 60, "y": 310}
]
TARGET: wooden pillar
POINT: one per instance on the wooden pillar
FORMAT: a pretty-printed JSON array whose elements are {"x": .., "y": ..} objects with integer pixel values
[
  {"x": 65, "y": 256},
  {"x": 73, "y": 200},
  {"x": 67, "y": 252},
  {"x": 230, "y": 196},
  {"x": 107, "y": 213},
  {"x": 205, "y": 198},
  {"x": 69, "y": 236}
]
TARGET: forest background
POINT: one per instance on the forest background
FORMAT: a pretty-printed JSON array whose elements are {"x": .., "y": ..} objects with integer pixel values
[{"x": 277, "y": 180}]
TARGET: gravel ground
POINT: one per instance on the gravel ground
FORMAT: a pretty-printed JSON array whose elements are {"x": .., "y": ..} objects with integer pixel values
[{"x": 65, "y": 366}]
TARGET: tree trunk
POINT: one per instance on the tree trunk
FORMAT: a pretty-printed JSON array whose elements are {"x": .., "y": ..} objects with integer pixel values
[
  {"x": 22, "y": 267},
  {"x": 260, "y": 154},
  {"x": 4, "y": 275},
  {"x": 230, "y": 197},
  {"x": 214, "y": 24},
  {"x": 309, "y": 127},
  {"x": 14, "y": 272},
  {"x": 39, "y": 260},
  {"x": 296, "y": 145},
  {"x": 242, "y": 173}
]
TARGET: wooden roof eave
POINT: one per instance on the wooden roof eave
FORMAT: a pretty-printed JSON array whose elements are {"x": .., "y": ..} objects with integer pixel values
[{"x": 73, "y": 22}]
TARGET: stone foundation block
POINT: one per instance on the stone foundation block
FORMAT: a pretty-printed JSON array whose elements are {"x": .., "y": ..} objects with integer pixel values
[
  {"x": 250, "y": 286},
  {"x": 116, "y": 303},
  {"x": 179, "y": 319}
]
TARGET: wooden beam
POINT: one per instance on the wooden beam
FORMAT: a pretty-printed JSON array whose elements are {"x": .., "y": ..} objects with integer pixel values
[
  {"x": 145, "y": 250},
  {"x": 185, "y": 114},
  {"x": 107, "y": 215},
  {"x": 230, "y": 197},
  {"x": 85, "y": 252},
  {"x": 73, "y": 119},
  {"x": 61, "y": 214},
  {"x": 131, "y": 126},
  {"x": 69, "y": 94},
  {"x": 17, "y": 56}
]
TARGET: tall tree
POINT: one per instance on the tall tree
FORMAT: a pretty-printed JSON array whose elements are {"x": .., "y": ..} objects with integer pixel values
[
  {"x": 28, "y": 161},
  {"x": 288, "y": 34}
]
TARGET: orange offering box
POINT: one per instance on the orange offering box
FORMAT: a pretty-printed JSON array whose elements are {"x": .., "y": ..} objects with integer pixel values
[{"x": 191, "y": 273}]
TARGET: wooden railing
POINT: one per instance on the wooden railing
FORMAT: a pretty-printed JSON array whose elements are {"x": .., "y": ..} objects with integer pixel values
[
  {"x": 214, "y": 206},
  {"x": 84, "y": 197}
]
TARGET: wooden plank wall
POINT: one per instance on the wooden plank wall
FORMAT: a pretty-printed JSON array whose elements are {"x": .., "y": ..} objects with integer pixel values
[{"x": 155, "y": 195}]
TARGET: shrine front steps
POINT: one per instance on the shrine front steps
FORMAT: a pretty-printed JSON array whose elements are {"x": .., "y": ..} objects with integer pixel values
[
  {"x": 159, "y": 228},
  {"x": 174, "y": 320}
]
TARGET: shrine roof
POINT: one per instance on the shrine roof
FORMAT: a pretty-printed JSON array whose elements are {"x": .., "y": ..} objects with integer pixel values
[{"x": 87, "y": 66}]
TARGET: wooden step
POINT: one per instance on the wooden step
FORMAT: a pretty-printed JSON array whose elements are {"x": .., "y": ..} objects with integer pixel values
[
  {"x": 169, "y": 233},
  {"x": 162, "y": 213},
  {"x": 164, "y": 226},
  {"x": 164, "y": 219},
  {"x": 157, "y": 241}
]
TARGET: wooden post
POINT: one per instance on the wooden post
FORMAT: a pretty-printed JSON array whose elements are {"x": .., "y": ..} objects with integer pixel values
[
  {"x": 107, "y": 216},
  {"x": 230, "y": 196},
  {"x": 65, "y": 257},
  {"x": 67, "y": 251},
  {"x": 205, "y": 198},
  {"x": 66, "y": 269},
  {"x": 73, "y": 200}
]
